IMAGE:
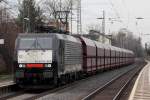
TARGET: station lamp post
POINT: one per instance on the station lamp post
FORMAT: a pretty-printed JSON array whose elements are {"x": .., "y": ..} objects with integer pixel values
[
  {"x": 26, "y": 24},
  {"x": 103, "y": 22},
  {"x": 139, "y": 18}
]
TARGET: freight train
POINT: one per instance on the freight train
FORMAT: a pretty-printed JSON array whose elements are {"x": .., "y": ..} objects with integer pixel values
[{"x": 42, "y": 59}]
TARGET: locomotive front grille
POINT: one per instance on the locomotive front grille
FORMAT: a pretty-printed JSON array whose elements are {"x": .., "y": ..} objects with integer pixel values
[{"x": 34, "y": 73}]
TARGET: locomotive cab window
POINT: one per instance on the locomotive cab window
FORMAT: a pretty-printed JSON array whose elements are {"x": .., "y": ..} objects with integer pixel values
[
  {"x": 44, "y": 43},
  {"x": 35, "y": 43},
  {"x": 27, "y": 43}
]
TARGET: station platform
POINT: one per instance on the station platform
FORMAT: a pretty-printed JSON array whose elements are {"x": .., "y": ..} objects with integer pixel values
[
  {"x": 141, "y": 89},
  {"x": 6, "y": 83}
]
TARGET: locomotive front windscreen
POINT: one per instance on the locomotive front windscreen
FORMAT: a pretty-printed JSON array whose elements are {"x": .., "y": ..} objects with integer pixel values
[
  {"x": 35, "y": 43},
  {"x": 35, "y": 50}
]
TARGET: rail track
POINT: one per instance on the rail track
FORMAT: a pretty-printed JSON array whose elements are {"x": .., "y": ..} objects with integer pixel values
[
  {"x": 33, "y": 94},
  {"x": 10, "y": 91},
  {"x": 74, "y": 92},
  {"x": 54, "y": 90},
  {"x": 16, "y": 93},
  {"x": 7, "y": 89},
  {"x": 114, "y": 89}
]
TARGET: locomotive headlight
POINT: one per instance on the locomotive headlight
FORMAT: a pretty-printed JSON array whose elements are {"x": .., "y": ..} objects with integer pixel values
[
  {"x": 48, "y": 65},
  {"x": 21, "y": 65}
]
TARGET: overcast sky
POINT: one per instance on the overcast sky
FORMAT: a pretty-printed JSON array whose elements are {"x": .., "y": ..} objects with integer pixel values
[{"x": 127, "y": 10}]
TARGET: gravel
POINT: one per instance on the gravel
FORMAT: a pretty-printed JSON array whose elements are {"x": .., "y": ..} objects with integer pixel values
[{"x": 85, "y": 87}]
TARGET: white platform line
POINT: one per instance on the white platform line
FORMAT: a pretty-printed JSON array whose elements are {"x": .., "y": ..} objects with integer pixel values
[
  {"x": 149, "y": 76},
  {"x": 136, "y": 83}
]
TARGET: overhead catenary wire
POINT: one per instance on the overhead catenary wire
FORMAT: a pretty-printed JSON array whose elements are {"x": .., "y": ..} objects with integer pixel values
[
  {"x": 116, "y": 12},
  {"x": 127, "y": 11},
  {"x": 114, "y": 9}
]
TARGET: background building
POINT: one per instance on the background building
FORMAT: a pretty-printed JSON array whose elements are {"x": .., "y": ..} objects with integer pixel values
[{"x": 97, "y": 36}]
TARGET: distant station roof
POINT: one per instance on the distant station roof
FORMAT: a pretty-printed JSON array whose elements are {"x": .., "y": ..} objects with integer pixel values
[{"x": 97, "y": 36}]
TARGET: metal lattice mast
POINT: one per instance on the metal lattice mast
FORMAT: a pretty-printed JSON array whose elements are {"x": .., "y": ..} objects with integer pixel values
[{"x": 79, "y": 23}]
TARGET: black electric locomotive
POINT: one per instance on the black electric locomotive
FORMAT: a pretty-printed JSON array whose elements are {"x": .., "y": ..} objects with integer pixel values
[{"x": 45, "y": 59}]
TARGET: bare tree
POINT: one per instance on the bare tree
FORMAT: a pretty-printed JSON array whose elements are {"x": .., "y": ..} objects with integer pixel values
[
  {"x": 8, "y": 32},
  {"x": 30, "y": 15},
  {"x": 95, "y": 27},
  {"x": 126, "y": 39},
  {"x": 3, "y": 1},
  {"x": 4, "y": 14},
  {"x": 59, "y": 11}
]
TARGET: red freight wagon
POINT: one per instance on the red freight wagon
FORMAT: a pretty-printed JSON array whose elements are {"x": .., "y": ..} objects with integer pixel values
[
  {"x": 107, "y": 56},
  {"x": 125, "y": 59},
  {"x": 123, "y": 53},
  {"x": 100, "y": 55},
  {"x": 117, "y": 57},
  {"x": 89, "y": 55},
  {"x": 113, "y": 56}
]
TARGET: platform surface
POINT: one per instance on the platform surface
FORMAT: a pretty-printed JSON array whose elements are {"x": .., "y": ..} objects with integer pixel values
[
  {"x": 6, "y": 83},
  {"x": 141, "y": 89}
]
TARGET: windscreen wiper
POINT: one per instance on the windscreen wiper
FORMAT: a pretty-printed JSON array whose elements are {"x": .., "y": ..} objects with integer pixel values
[
  {"x": 33, "y": 45},
  {"x": 38, "y": 44}
]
